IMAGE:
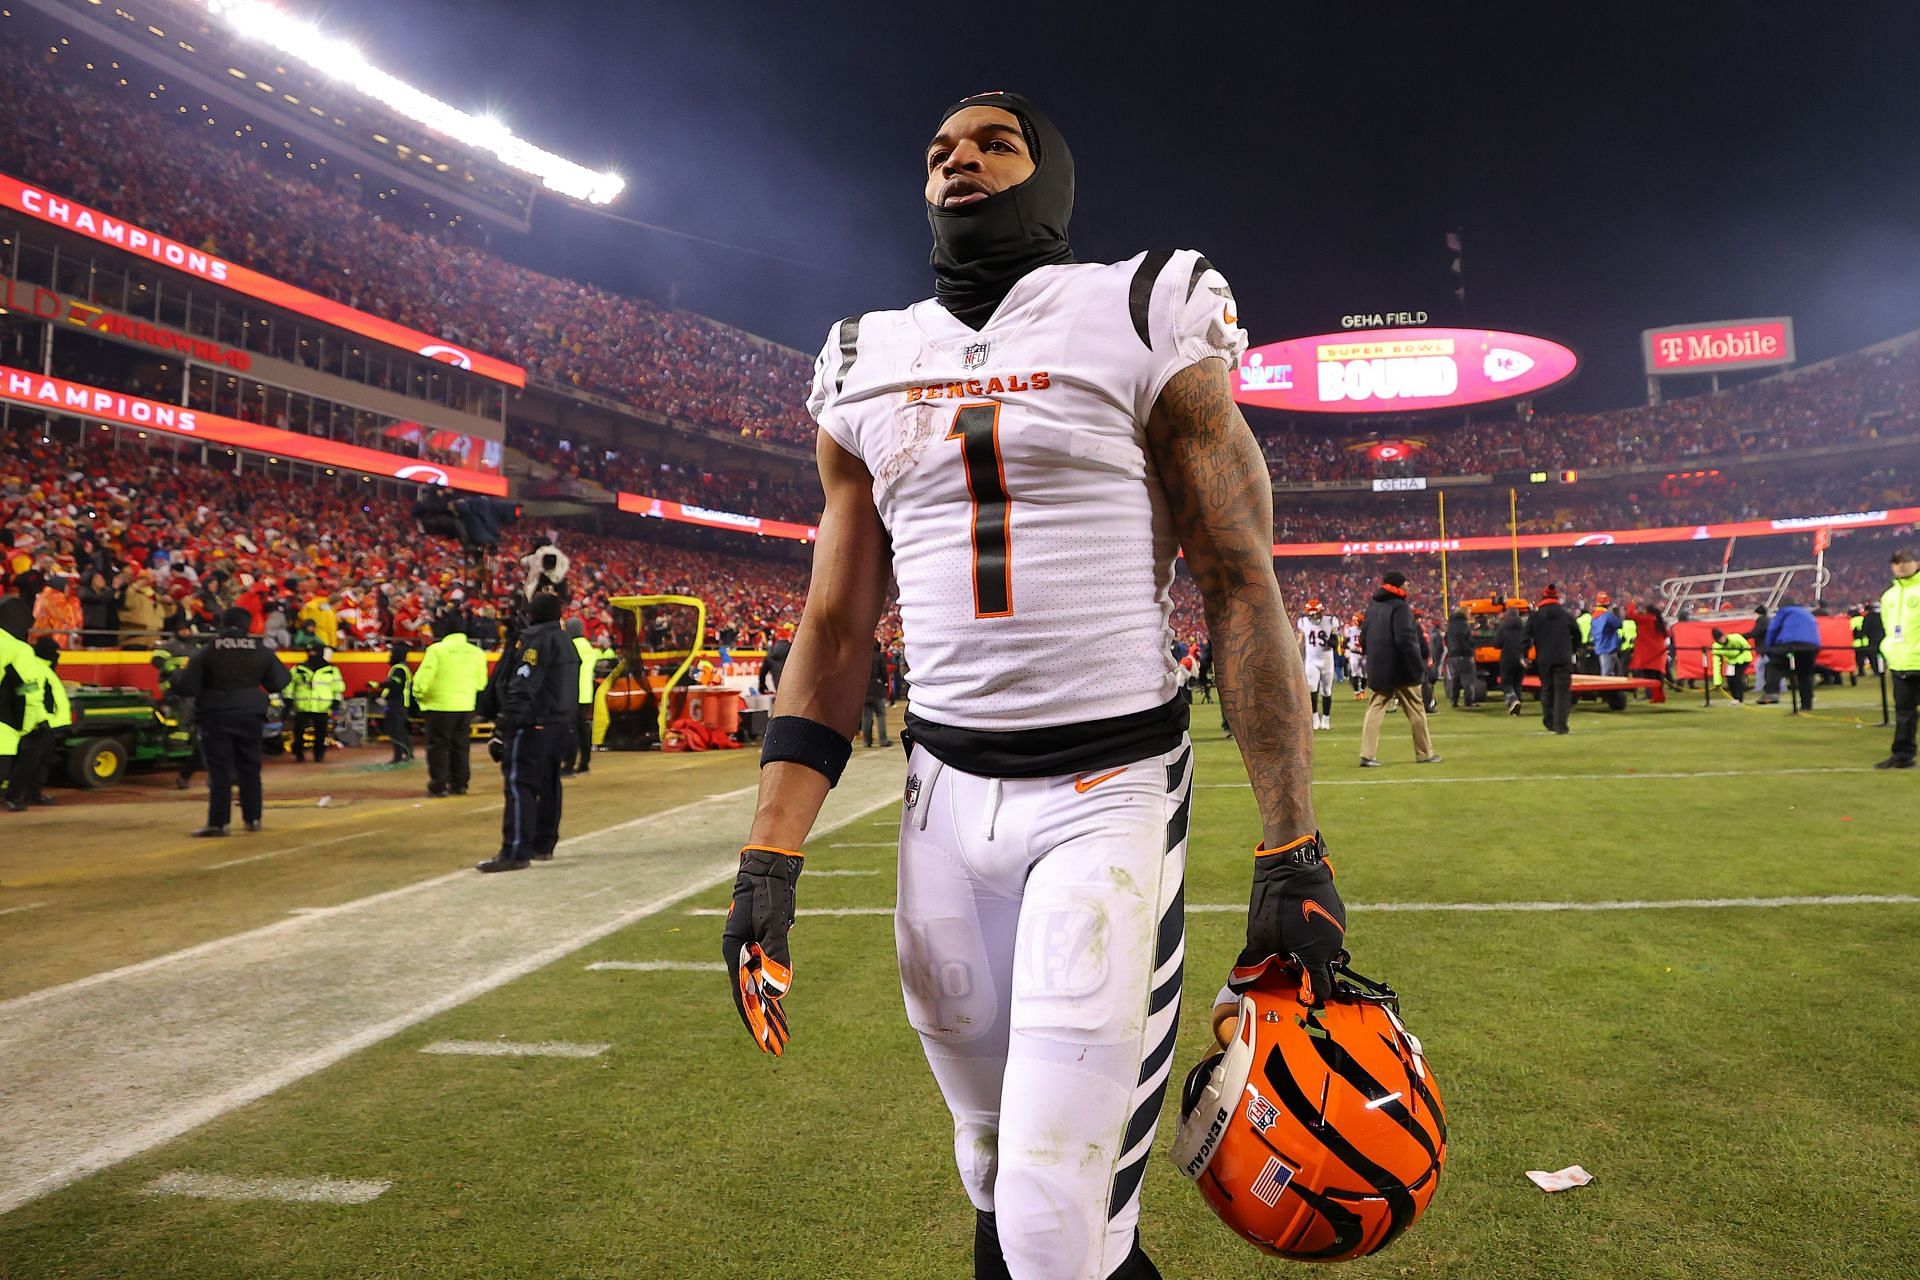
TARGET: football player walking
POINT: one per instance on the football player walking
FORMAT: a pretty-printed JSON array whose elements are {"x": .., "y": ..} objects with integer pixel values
[{"x": 1025, "y": 452}]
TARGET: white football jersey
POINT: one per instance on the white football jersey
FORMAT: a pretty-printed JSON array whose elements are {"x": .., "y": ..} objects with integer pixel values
[
  {"x": 1319, "y": 633},
  {"x": 1031, "y": 539},
  {"x": 1353, "y": 638}
]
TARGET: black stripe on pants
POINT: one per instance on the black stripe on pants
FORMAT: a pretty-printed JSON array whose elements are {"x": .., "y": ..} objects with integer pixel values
[{"x": 530, "y": 775}]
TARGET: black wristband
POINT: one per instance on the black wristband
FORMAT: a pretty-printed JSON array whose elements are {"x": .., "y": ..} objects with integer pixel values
[{"x": 807, "y": 742}]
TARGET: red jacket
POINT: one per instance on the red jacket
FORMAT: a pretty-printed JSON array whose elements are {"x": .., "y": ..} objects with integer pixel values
[{"x": 1649, "y": 644}]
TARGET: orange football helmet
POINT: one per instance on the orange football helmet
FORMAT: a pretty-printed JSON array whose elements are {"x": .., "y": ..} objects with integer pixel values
[
  {"x": 1316, "y": 1134},
  {"x": 1313, "y": 607}
]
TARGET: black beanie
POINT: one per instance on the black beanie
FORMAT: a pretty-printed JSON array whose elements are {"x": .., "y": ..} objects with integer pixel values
[
  {"x": 981, "y": 250},
  {"x": 545, "y": 608},
  {"x": 1394, "y": 578},
  {"x": 236, "y": 618}
]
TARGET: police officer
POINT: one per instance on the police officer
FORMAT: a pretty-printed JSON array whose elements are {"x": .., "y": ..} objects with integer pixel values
[
  {"x": 539, "y": 693},
  {"x": 581, "y": 756},
  {"x": 230, "y": 681},
  {"x": 318, "y": 688}
]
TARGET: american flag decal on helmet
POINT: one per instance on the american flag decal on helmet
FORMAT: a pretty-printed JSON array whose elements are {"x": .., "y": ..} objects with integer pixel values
[{"x": 1272, "y": 1181}]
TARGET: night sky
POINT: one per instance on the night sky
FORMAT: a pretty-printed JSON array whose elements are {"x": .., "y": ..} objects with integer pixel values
[{"x": 1642, "y": 165}]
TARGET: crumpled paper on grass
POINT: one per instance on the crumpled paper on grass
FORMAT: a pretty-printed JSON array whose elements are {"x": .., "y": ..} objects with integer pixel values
[{"x": 1560, "y": 1179}]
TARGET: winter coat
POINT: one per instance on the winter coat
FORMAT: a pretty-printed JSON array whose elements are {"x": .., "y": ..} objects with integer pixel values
[
  {"x": 1392, "y": 643},
  {"x": 1555, "y": 635}
]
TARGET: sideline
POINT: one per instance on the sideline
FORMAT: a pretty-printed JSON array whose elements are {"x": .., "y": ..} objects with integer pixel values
[{"x": 106, "y": 1067}]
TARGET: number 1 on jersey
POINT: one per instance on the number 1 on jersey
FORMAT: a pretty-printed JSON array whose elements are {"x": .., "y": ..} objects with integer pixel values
[{"x": 977, "y": 428}]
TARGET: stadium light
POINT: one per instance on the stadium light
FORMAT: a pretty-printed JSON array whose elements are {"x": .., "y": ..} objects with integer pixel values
[{"x": 340, "y": 60}]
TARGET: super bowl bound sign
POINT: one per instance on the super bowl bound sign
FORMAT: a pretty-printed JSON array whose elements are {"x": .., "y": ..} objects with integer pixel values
[{"x": 1718, "y": 347}]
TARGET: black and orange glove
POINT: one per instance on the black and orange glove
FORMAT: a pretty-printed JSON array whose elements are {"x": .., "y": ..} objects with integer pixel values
[
  {"x": 755, "y": 942},
  {"x": 1295, "y": 917}
]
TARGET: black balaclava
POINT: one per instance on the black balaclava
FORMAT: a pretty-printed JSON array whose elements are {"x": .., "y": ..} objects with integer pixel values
[{"x": 981, "y": 249}]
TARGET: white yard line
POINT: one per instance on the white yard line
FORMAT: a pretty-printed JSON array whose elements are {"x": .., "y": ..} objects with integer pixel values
[
  {"x": 104, "y": 1068},
  {"x": 838, "y": 871},
  {"x": 657, "y": 966},
  {"x": 512, "y": 1049},
  {"x": 277, "y": 853},
  {"x": 1624, "y": 904},
  {"x": 1431, "y": 779},
  {"x": 29, "y": 906},
  {"x": 866, "y": 844},
  {"x": 214, "y": 1186}
]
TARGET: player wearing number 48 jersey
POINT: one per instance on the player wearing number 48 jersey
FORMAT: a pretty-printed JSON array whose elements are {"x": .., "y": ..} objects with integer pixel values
[
  {"x": 1024, "y": 453},
  {"x": 1319, "y": 642}
]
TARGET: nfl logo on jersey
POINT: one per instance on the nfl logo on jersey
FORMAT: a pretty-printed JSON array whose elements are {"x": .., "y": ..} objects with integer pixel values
[{"x": 974, "y": 355}]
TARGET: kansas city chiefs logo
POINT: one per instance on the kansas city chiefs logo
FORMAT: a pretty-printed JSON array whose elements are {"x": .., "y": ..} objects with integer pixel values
[{"x": 1502, "y": 364}]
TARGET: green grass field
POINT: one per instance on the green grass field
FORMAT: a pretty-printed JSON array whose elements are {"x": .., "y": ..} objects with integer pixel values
[{"x": 1740, "y": 1080}]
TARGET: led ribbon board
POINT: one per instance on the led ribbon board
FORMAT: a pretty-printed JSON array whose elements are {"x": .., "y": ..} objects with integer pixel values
[
  {"x": 639, "y": 504},
  {"x": 76, "y": 399},
  {"x": 1399, "y": 370},
  {"x": 44, "y": 206},
  {"x": 1607, "y": 537}
]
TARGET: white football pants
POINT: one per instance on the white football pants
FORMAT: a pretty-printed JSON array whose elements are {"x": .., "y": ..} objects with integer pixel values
[
  {"x": 1041, "y": 933},
  {"x": 1320, "y": 676}
]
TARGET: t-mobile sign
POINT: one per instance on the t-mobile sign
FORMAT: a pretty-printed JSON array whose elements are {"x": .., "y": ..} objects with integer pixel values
[{"x": 1717, "y": 348}]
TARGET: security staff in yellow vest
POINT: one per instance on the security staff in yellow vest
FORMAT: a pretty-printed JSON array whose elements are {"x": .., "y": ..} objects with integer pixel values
[
  {"x": 1900, "y": 611},
  {"x": 39, "y": 710},
  {"x": 16, "y": 615},
  {"x": 317, "y": 689},
  {"x": 1731, "y": 655},
  {"x": 397, "y": 690},
  {"x": 452, "y": 673},
  {"x": 583, "y": 722}
]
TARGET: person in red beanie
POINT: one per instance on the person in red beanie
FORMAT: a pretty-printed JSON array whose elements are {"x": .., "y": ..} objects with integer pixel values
[{"x": 1556, "y": 638}]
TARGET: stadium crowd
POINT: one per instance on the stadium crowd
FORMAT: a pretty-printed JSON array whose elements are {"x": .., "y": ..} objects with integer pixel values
[
  {"x": 124, "y": 545},
  {"x": 199, "y": 189},
  {"x": 702, "y": 484},
  {"x": 70, "y": 130},
  {"x": 121, "y": 546},
  {"x": 1862, "y": 397}
]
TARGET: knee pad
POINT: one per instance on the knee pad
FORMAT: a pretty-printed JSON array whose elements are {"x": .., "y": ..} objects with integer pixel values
[
  {"x": 1053, "y": 1225},
  {"x": 976, "y": 1153}
]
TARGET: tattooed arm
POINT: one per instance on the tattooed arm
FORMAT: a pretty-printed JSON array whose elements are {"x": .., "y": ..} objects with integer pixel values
[{"x": 1222, "y": 501}]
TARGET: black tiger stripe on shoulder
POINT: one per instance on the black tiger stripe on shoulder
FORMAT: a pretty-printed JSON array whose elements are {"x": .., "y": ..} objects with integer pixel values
[
  {"x": 849, "y": 351},
  {"x": 1200, "y": 268},
  {"x": 1140, "y": 293}
]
